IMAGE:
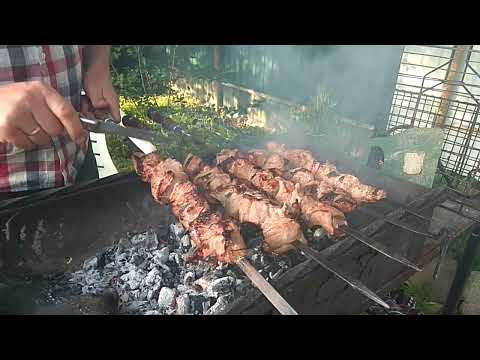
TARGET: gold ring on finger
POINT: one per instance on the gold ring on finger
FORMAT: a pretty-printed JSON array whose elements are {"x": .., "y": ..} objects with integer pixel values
[{"x": 34, "y": 131}]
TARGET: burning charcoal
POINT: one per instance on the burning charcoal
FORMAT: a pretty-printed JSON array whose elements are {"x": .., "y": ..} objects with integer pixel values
[
  {"x": 183, "y": 305},
  {"x": 219, "y": 305},
  {"x": 153, "y": 292},
  {"x": 185, "y": 241},
  {"x": 138, "y": 240},
  {"x": 121, "y": 259},
  {"x": 196, "y": 304},
  {"x": 177, "y": 230},
  {"x": 124, "y": 297},
  {"x": 152, "y": 312},
  {"x": 136, "y": 260},
  {"x": 90, "y": 264},
  {"x": 134, "y": 306},
  {"x": 189, "y": 278},
  {"x": 161, "y": 256},
  {"x": 152, "y": 241},
  {"x": 175, "y": 258},
  {"x": 166, "y": 298},
  {"x": 146, "y": 265},
  {"x": 221, "y": 286},
  {"x": 153, "y": 277},
  {"x": 123, "y": 243},
  {"x": 136, "y": 279},
  {"x": 202, "y": 283}
]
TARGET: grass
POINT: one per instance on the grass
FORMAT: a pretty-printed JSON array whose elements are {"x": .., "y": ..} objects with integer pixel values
[
  {"x": 423, "y": 295},
  {"x": 215, "y": 130}
]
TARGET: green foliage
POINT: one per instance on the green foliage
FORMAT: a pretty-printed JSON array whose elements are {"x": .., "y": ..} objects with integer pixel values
[
  {"x": 119, "y": 152},
  {"x": 213, "y": 129},
  {"x": 423, "y": 295}
]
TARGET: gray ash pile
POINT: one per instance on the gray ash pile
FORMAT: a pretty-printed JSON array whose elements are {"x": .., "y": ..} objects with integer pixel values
[{"x": 153, "y": 273}]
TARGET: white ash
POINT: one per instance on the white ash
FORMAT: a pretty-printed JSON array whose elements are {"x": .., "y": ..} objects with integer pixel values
[{"x": 151, "y": 276}]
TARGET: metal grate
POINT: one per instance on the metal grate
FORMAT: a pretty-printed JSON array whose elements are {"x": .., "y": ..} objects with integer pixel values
[{"x": 434, "y": 87}]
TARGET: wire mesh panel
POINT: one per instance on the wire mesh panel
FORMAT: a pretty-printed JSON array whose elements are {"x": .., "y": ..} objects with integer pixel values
[{"x": 436, "y": 87}]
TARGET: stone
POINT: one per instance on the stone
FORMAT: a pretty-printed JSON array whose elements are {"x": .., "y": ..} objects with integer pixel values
[{"x": 166, "y": 298}]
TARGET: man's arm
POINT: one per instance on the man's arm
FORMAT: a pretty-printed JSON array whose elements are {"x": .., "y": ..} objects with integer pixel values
[
  {"x": 97, "y": 81},
  {"x": 97, "y": 56}
]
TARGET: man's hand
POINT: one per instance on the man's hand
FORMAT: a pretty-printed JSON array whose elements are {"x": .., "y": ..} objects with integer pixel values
[
  {"x": 97, "y": 83},
  {"x": 32, "y": 113}
]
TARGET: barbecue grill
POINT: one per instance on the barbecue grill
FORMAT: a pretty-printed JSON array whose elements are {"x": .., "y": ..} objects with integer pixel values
[{"x": 55, "y": 231}]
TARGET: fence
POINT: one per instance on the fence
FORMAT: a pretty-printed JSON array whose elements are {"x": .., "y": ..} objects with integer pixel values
[{"x": 439, "y": 86}]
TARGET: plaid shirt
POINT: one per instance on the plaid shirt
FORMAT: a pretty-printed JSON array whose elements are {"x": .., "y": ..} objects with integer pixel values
[{"x": 50, "y": 165}]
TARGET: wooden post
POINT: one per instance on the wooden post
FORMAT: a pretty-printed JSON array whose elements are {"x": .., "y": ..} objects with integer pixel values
[
  {"x": 454, "y": 75},
  {"x": 217, "y": 66}
]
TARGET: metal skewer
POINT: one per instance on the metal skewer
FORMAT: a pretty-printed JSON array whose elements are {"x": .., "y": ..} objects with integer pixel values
[
  {"x": 357, "y": 285},
  {"x": 266, "y": 288},
  {"x": 378, "y": 247}
]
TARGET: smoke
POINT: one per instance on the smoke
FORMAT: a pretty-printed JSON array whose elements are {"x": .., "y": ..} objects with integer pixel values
[{"x": 358, "y": 78}]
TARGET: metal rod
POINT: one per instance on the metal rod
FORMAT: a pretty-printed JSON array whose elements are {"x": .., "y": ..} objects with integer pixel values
[
  {"x": 395, "y": 222},
  {"x": 459, "y": 213},
  {"x": 379, "y": 247},
  {"x": 444, "y": 240},
  {"x": 463, "y": 272},
  {"x": 322, "y": 261},
  {"x": 264, "y": 286}
]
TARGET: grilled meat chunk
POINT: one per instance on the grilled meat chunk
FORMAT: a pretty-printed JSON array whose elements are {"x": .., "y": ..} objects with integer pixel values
[
  {"x": 328, "y": 172},
  {"x": 247, "y": 205},
  {"x": 287, "y": 193},
  {"x": 213, "y": 235}
]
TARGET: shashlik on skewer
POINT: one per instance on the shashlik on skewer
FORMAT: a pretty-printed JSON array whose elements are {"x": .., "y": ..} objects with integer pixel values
[
  {"x": 246, "y": 205},
  {"x": 268, "y": 182},
  {"x": 287, "y": 193},
  {"x": 319, "y": 190},
  {"x": 213, "y": 235},
  {"x": 325, "y": 171},
  {"x": 215, "y": 183}
]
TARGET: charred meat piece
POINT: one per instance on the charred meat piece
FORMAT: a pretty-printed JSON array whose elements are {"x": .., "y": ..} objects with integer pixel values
[
  {"x": 328, "y": 172},
  {"x": 247, "y": 206},
  {"x": 321, "y": 190},
  {"x": 287, "y": 193},
  {"x": 213, "y": 235}
]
